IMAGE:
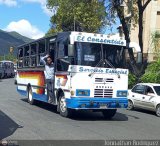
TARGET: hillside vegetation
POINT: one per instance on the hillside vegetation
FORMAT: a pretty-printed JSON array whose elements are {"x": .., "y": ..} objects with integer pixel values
[{"x": 11, "y": 39}]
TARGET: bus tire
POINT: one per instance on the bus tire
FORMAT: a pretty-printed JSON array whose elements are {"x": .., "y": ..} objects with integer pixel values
[
  {"x": 30, "y": 96},
  {"x": 64, "y": 111},
  {"x": 58, "y": 110},
  {"x": 109, "y": 113}
]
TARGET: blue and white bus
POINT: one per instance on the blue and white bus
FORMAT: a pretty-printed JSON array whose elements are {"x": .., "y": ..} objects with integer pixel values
[{"x": 90, "y": 72}]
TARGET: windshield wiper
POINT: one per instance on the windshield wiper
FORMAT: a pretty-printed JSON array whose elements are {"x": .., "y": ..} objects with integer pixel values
[{"x": 104, "y": 62}]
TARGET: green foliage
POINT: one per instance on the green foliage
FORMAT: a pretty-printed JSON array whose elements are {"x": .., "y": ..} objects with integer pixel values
[
  {"x": 79, "y": 15},
  {"x": 10, "y": 39},
  {"x": 9, "y": 56},
  {"x": 50, "y": 32},
  {"x": 155, "y": 42},
  {"x": 115, "y": 10},
  {"x": 131, "y": 80},
  {"x": 135, "y": 10},
  {"x": 152, "y": 73},
  {"x": 151, "y": 78},
  {"x": 20, "y": 37}
]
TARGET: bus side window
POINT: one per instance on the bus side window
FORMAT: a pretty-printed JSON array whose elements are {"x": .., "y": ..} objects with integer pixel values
[
  {"x": 41, "y": 52},
  {"x": 33, "y": 55},
  {"x": 8, "y": 65},
  {"x": 52, "y": 48},
  {"x": 20, "y": 57},
  {"x": 26, "y": 56},
  {"x": 62, "y": 64},
  {"x": 12, "y": 66},
  {"x": 63, "y": 60},
  {"x": 3, "y": 65}
]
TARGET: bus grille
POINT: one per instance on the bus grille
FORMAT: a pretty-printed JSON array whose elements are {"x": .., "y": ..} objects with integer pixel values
[
  {"x": 104, "y": 80},
  {"x": 106, "y": 93}
]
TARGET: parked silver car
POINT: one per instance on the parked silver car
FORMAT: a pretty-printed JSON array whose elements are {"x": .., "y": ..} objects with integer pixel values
[{"x": 145, "y": 96}]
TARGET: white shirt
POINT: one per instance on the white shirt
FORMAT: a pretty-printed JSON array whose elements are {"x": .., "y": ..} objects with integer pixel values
[{"x": 49, "y": 69}]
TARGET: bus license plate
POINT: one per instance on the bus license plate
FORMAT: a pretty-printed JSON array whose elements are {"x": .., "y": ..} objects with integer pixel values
[{"x": 103, "y": 106}]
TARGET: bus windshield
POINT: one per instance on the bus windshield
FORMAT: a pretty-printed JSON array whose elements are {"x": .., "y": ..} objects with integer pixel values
[{"x": 90, "y": 54}]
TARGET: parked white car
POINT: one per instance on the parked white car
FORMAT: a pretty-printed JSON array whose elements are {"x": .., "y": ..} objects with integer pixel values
[{"x": 145, "y": 96}]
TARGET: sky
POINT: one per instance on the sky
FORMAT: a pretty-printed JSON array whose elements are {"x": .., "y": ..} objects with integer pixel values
[{"x": 30, "y": 18}]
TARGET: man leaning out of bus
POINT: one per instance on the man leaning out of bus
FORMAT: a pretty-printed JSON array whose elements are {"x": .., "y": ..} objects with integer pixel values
[{"x": 49, "y": 76}]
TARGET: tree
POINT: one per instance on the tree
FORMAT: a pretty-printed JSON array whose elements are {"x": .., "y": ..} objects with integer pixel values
[
  {"x": 142, "y": 4},
  {"x": 136, "y": 8},
  {"x": 9, "y": 56},
  {"x": 115, "y": 8},
  {"x": 152, "y": 73},
  {"x": 132, "y": 80},
  {"x": 79, "y": 15},
  {"x": 155, "y": 43}
]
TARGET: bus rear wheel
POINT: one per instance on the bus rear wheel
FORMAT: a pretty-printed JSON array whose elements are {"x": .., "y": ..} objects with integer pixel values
[
  {"x": 30, "y": 96},
  {"x": 64, "y": 111},
  {"x": 109, "y": 113}
]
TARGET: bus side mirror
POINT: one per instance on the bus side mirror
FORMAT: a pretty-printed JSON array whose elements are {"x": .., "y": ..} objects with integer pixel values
[
  {"x": 70, "y": 50},
  {"x": 139, "y": 57}
]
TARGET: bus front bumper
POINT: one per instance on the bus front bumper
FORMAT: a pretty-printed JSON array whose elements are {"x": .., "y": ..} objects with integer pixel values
[{"x": 96, "y": 103}]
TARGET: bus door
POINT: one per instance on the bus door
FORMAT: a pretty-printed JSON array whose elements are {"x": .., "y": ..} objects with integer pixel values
[{"x": 52, "y": 48}]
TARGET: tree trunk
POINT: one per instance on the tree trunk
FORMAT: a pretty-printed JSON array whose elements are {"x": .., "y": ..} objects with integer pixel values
[
  {"x": 127, "y": 38},
  {"x": 140, "y": 21}
]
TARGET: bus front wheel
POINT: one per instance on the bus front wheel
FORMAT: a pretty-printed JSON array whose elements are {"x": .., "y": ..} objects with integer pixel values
[
  {"x": 109, "y": 113},
  {"x": 30, "y": 96},
  {"x": 64, "y": 111}
]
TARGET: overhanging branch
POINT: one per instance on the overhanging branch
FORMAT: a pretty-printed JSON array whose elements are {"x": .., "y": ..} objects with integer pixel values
[{"x": 146, "y": 4}]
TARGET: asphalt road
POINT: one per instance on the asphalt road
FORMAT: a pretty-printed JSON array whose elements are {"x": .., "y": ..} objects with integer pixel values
[{"x": 21, "y": 121}]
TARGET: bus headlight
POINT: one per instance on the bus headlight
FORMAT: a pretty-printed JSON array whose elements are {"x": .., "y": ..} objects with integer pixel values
[
  {"x": 82, "y": 92},
  {"x": 122, "y": 93}
]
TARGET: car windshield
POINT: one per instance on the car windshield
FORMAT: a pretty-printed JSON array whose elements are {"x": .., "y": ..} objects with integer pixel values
[{"x": 157, "y": 89}]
